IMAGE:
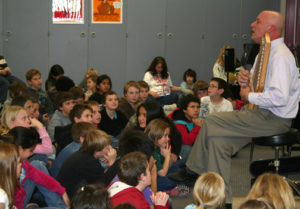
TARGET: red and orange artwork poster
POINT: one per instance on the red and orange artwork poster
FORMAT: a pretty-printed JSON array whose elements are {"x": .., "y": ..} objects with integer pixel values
[
  {"x": 68, "y": 11},
  {"x": 107, "y": 11}
]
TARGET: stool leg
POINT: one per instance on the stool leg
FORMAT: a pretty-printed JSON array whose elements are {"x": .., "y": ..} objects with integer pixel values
[
  {"x": 251, "y": 151},
  {"x": 289, "y": 149},
  {"x": 276, "y": 161}
]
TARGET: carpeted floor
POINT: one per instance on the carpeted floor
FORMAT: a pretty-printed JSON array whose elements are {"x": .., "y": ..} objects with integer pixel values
[{"x": 240, "y": 175}]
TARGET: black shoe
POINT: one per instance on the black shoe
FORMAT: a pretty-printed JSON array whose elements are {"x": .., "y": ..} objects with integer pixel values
[
  {"x": 185, "y": 175},
  {"x": 228, "y": 206}
]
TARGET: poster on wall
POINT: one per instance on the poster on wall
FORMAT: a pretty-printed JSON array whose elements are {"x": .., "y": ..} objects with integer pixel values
[
  {"x": 68, "y": 11},
  {"x": 107, "y": 11}
]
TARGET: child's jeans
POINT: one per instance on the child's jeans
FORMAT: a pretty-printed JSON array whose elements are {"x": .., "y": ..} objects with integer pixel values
[
  {"x": 163, "y": 183},
  {"x": 51, "y": 198}
]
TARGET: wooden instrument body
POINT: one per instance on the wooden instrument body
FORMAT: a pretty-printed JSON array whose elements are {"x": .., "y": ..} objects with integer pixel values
[{"x": 261, "y": 68}]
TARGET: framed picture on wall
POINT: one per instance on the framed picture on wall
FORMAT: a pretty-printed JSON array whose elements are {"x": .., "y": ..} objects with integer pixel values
[
  {"x": 107, "y": 11},
  {"x": 68, "y": 11}
]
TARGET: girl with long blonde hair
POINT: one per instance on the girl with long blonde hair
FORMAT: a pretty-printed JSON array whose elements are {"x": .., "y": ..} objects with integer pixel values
[
  {"x": 10, "y": 167},
  {"x": 274, "y": 189},
  {"x": 209, "y": 192}
]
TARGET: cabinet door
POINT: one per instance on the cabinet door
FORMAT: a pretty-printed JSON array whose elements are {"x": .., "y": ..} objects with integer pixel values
[
  {"x": 107, "y": 51},
  {"x": 68, "y": 46},
  {"x": 185, "y": 21},
  {"x": 146, "y": 35},
  {"x": 222, "y": 27},
  {"x": 26, "y": 36}
]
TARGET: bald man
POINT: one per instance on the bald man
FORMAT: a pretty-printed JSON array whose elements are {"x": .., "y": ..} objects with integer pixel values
[{"x": 224, "y": 134}]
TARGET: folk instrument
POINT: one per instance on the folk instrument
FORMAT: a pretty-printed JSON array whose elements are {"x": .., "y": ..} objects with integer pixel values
[{"x": 257, "y": 79}]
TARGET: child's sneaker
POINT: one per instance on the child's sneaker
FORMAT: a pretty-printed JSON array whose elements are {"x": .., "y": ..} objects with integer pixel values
[{"x": 183, "y": 190}]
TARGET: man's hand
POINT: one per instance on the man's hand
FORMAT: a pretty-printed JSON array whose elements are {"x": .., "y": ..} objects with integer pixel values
[
  {"x": 243, "y": 77},
  {"x": 244, "y": 93}
]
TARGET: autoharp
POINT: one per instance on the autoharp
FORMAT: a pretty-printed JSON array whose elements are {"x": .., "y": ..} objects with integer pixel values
[{"x": 257, "y": 79}]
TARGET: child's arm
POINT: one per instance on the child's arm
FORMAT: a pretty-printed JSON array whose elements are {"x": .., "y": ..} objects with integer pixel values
[
  {"x": 46, "y": 146},
  {"x": 184, "y": 89},
  {"x": 166, "y": 152},
  {"x": 153, "y": 172}
]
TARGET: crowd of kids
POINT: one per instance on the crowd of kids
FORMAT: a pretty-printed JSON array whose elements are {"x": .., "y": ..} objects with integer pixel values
[{"x": 85, "y": 144}]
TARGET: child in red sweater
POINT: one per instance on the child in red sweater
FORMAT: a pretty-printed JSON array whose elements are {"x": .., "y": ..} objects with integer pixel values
[
  {"x": 187, "y": 121},
  {"x": 134, "y": 174}
]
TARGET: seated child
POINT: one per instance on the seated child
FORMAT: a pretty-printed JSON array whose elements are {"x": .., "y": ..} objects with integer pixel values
[
  {"x": 14, "y": 116},
  {"x": 17, "y": 88},
  {"x": 78, "y": 95},
  {"x": 91, "y": 83},
  {"x": 128, "y": 103},
  {"x": 79, "y": 132},
  {"x": 92, "y": 196},
  {"x": 34, "y": 174},
  {"x": 112, "y": 120},
  {"x": 103, "y": 85},
  {"x": 96, "y": 115},
  {"x": 63, "y": 134},
  {"x": 189, "y": 78},
  {"x": 159, "y": 131},
  {"x": 159, "y": 81},
  {"x": 144, "y": 91},
  {"x": 187, "y": 121},
  {"x": 215, "y": 102},
  {"x": 83, "y": 167},
  {"x": 200, "y": 89},
  {"x": 89, "y": 72},
  {"x": 274, "y": 189},
  {"x": 209, "y": 192},
  {"x": 34, "y": 81},
  {"x": 64, "y": 104},
  {"x": 136, "y": 141},
  {"x": 133, "y": 171},
  {"x": 56, "y": 71}
]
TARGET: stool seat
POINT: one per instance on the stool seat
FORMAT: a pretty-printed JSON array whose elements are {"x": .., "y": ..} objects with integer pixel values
[
  {"x": 289, "y": 138},
  {"x": 285, "y": 139}
]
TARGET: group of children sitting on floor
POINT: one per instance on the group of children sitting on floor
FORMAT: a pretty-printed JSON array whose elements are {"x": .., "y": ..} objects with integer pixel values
[{"x": 66, "y": 140}]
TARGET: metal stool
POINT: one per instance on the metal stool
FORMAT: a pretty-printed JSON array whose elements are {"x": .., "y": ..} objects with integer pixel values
[{"x": 286, "y": 139}]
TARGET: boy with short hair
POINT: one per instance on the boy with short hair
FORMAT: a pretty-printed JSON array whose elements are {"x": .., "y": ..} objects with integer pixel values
[
  {"x": 63, "y": 134},
  {"x": 144, "y": 90},
  {"x": 200, "y": 89},
  {"x": 134, "y": 174},
  {"x": 64, "y": 104},
  {"x": 96, "y": 115},
  {"x": 33, "y": 77},
  {"x": 113, "y": 121},
  {"x": 79, "y": 131},
  {"x": 128, "y": 103},
  {"x": 215, "y": 102},
  {"x": 187, "y": 121}
]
